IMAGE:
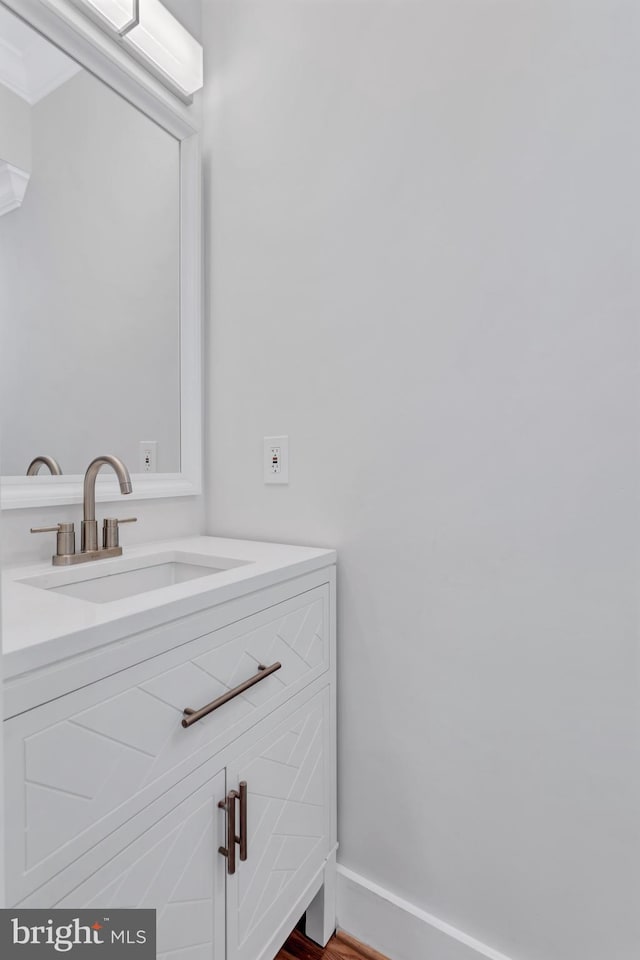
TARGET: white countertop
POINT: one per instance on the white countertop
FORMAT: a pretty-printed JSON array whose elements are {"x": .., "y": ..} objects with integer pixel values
[{"x": 33, "y": 617}]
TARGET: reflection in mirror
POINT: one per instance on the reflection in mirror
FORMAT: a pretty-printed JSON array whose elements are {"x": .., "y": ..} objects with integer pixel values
[
  {"x": 43, "y": 460},
  {"x": 89, "y": 266}
]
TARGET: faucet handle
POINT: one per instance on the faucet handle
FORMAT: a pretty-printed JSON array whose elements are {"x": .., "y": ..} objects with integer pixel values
[
  {"x": 110, "y": 527},
  {"x": 66, "y": 540}
]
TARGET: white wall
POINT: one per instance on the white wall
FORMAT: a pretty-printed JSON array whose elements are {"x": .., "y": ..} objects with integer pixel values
[{"x": 421, "y": 218}]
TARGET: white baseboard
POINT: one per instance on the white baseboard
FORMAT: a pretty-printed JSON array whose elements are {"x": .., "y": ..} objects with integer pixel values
[{"x": 398, "y": 929}]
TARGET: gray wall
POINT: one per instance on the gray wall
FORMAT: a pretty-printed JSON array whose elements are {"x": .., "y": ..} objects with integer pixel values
[
  {"x": 421, "y": 219},
  {"x": 15, "y": 130},
  {"x": 189, "y": 13},
  {"x": 90, "y": 319}
]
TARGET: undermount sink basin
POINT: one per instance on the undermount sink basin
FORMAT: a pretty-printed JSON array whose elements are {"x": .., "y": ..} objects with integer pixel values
[{"x": 103, "y": 581}]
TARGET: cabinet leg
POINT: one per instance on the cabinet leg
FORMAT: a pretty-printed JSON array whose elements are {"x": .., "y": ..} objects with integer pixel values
[{"x": 320, "y": 922}]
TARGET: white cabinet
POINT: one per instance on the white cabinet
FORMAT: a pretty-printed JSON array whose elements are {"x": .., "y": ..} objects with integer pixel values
[
  {"x": 288, "y": 777},
  {"x": 111, "y": 802},
  {"x": 82, "y": 763},
  {"x": 175, "y": 869}
]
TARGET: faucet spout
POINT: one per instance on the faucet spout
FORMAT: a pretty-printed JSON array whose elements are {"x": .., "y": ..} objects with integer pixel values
[
  {"x": 89, "y": 525},
  {"x": 44, "y": 461},
  {"x": 90, "y": 482}
]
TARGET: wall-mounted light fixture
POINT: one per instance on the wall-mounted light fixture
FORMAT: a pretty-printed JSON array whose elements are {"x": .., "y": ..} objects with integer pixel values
[
  {"x": 119, "y": 15},
  {"x": 166, "y": 46},
  {"x": 155, "y": 37}
]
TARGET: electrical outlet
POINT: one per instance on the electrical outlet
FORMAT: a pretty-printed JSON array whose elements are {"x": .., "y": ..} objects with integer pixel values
[
  {"x": 148, "y": 456},
  {"x": 276, "y": 460}
]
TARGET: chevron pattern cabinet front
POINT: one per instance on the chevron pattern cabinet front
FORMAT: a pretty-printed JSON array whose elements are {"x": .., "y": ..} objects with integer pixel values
[
  {"x": 86, "y": 758},
  {"x": 175, "y": 869},
  {"x": 288, "y": 825}
]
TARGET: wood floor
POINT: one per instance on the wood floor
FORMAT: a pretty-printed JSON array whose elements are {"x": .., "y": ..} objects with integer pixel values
[{"x": 340, "y": 947}]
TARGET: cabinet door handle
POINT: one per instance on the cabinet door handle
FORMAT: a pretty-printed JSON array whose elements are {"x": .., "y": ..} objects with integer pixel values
[
  {"x": 229, "y": 805},
  {"x": 243, "y": 819},
  {"x": 192, "y": 716}
]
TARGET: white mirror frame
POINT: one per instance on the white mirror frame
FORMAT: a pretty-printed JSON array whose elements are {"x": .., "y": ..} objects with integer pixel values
[{"x": 68, "y": 28}]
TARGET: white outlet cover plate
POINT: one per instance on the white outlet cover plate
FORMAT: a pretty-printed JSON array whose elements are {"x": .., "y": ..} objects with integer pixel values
[
  {"x": 272, "y": 444},
  {"x": 150, "y": 448}
]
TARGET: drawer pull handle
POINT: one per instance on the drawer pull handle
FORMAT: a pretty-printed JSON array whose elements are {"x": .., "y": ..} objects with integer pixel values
[
  {"x": 192, "y": 716},
  {"x": 230, "y": 850}
]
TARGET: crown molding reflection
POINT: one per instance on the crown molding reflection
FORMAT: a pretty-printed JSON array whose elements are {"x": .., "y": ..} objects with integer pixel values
[
  {"x": 29, "y": 66},
  {"x": 13, "y": 186}
]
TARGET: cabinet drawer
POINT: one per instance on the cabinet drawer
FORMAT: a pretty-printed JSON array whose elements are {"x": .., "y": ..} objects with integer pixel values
[{"x": 80, "y": 766}]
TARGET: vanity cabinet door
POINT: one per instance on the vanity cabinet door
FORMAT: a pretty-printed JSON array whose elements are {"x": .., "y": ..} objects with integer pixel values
[
  {"x": 174, "y": 868},
  {"x": 289, "y": 781}
]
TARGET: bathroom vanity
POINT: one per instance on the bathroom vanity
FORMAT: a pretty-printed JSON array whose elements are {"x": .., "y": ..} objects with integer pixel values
[{"x": 170, "y": 741}]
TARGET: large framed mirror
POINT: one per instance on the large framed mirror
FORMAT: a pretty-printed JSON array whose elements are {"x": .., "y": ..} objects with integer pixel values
[{"x": 100, "y": 252}]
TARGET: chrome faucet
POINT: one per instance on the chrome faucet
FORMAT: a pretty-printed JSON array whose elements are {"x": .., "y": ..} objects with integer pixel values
[
  {"x": 89, "y": 523},
  {"x": 66, "y": 540},
  {"x": 43, "y": 461}
]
